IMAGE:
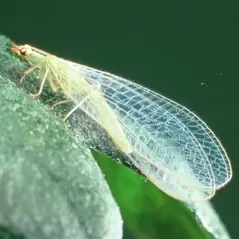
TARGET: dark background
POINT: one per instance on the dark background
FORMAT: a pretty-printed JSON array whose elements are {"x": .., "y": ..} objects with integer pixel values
[{"x": 188, "y": 51}]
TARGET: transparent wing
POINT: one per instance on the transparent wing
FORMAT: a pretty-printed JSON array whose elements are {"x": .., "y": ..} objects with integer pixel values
[{"x": 172, "y": 146}]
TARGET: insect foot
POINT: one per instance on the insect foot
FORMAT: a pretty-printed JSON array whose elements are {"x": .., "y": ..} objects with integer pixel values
[{"x": 33, "y": 96}]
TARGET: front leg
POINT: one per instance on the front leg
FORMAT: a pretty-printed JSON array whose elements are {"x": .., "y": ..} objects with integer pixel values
[{"x": 28, "y": 71}]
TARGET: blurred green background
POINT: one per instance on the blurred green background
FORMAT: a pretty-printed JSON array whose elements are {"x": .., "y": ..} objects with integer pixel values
[{"x": 185, "y": 50}]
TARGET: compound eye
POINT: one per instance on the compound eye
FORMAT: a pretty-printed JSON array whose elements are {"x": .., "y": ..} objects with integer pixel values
[{"x": 24, "y": 51}]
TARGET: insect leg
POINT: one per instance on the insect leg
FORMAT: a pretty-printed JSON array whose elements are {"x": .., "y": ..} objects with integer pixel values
[
  {"x": 52, "y": 84},
  {"x": 81, "y": 102},
  {"x": 59, "y": 103},
  {"x": 28, "y": 71},
  {"x": 75, "y": 108},
  {"x": 41, "y": 86}
]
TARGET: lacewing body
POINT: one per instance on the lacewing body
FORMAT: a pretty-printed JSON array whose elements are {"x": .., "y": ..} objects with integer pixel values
[{"x": 168, "y": 143}]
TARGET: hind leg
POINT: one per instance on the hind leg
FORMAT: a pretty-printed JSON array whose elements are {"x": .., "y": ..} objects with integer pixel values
[
  {"x": 86, "y": 97},
  {"x": 59, "y": 103}
]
